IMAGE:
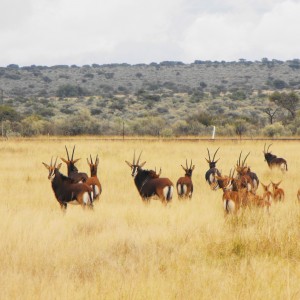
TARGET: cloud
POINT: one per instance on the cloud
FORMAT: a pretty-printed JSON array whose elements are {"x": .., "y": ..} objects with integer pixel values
[
  {"x": 134, "y": 31},
  {"x": 250, "y": 34}
]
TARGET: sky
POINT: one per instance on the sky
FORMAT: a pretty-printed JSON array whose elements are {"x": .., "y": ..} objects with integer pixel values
[{"x": 54, "y": 32}]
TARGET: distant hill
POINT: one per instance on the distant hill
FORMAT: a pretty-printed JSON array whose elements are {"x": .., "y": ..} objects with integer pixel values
[
  {"x": 124, "y": 78},
  {"x": 167, "y": 98}
]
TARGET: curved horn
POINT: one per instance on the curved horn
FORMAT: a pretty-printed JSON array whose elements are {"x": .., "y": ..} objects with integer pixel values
[
  {"x": 91, "y": 159},
  {"x": 67, "y": 152},
  {"x": 191, "y": 163},
  {"x": 73, "y": 152},
  {"x": 51, "y": 161},
  {"x": 139, "y": 158},
  {"x": 269, "y": 147},
  {"x": 265, "y": 148},
  {"x": 239, "y": 161},
  {"x": 186, "y": 163},
  {"x": 208, "y": 156},
  {"x": 55, "y": 162},
  {"x": 245, "y": 159},
  {"x": 215, "y": 154}
]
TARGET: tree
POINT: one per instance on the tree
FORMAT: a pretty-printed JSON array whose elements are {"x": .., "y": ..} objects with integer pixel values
[
  {"x": 288, "y": 101},
  {"x": 8, "y": 113},
  {"x": 240, "y": 127},
  {"x": 271, "y": 113}
]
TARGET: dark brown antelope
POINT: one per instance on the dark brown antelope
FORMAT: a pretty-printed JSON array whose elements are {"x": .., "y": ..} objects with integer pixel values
[
  {"x": 72, "y": 170},
  {"x": 274, "y": 161},
  {"x": 278, "y": 193},
  {"x": 246, "y": 178},
  {"x": 210, "y": 175},
  {"x": 149, "y": 184},
  {"x": 66, "y": 191},
  {"x": 93, "y": 180},
  {"x": 184, "y": 184}
]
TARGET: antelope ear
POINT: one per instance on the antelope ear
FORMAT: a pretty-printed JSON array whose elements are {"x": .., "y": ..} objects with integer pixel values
[
  {"x": 65, "y": 161},
  {"x": 47, "y": 167},
  {"x": 193, "y": 167},
  {"x": 141, "y": 165},
  {"x": 58, "y": 167},
  {"x": 183, "y": 168},
  {"x": 207, "y": 160},
  {"x": 76, "y": 160},
  {"x": 88, "y": 161},
  {"x": 128, "y": 163}
]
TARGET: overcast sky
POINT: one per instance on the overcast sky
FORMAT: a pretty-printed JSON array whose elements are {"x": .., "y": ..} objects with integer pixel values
[{"x": 51, "y": 32}]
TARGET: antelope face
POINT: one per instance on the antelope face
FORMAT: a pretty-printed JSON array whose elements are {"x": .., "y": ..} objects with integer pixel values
[
  {"x": 134, "y": 170},
  {"x": 135, "y": 166},
  {"x": 52, "y": 169}
]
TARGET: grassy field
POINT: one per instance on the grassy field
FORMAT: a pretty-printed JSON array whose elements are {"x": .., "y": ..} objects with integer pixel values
[{"x": 124, "y": 249}]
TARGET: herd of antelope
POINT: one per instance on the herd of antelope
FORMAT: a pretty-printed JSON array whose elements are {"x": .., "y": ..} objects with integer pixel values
[{"x": 238, "y": 191}]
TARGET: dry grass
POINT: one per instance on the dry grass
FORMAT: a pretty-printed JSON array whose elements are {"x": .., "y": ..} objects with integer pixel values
[{"x": 127, "y": 250}]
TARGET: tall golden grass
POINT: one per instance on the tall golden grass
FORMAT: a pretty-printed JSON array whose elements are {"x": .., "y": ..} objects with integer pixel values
[{"x": 124, "y": 249}]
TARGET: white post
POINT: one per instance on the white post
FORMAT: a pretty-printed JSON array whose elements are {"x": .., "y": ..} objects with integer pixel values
[{"x": 213, "y": 133}]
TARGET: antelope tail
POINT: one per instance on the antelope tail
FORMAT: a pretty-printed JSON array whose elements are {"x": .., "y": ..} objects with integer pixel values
[{"x": 170, "y": 193}]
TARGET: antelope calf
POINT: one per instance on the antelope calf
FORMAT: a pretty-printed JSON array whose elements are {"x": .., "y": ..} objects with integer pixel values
[
  {"x": 184, "y": 184},
  {"x": 93, "y": 180},
  {"x": 278, "y": 193},
  {"x": 210, "y": 175},
  {"x": 267, "y": 195},
  {"x": 149, "y": 184},
  {"x": 233, "y": 200},
  {"x": 72, "y": 170},
  {"x": 66, "y": 191},
  {"x": 274, "y": 161}
]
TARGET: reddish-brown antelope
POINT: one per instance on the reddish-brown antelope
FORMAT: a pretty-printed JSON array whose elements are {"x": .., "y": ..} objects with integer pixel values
[
  {"x": 210, "y": 175},
  {"x": 184, "y": 184},
  {"x": 274, "y": 161},
  {"x": 72, "y": 170},
  {"x": 66, "y": 191},
  {"x": 278, "y": 193},
  {"x": 245, "y": 177},
  {"x": 267, "y": 195},
  {"x": 148, "y": 184},
  {"x": 93, "y": 180},
  {"x": 232, "y": 200}
]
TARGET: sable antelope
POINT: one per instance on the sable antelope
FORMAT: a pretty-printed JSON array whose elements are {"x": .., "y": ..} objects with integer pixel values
[
  {"x": 232, "y": 200},
  {"x": 210, "y": 175},
  {"x": 66, "y": 191},
  {"x": 246, "y": 178},
  {"x": 93, "y": 180},
  {"x": 267, "y": 195},
  {"x": 224, "y": 182},
  {"x": 278, "y": 193},
  {"x": 184, "y": 184},
  {"x": 149, "y": 184},
  {"x": 274, "y": 161},
  {"x": 72, "y": 170}
]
